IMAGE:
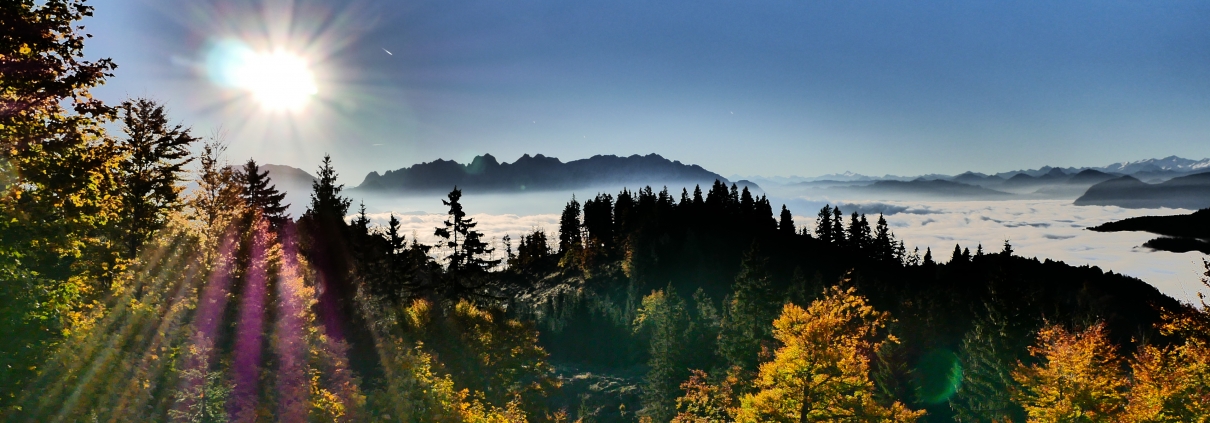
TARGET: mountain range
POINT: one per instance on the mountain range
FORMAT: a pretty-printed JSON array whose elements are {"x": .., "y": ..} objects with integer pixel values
[
  {"x": 538, "y": 172},
  {"x": 1168, "y": 182}
]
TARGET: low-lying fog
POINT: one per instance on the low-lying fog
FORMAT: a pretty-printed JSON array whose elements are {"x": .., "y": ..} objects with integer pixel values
[{"x": 1053, "y": 229}]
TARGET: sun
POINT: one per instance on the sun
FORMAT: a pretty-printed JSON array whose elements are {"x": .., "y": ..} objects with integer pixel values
[{"x": 278, "y": 80}]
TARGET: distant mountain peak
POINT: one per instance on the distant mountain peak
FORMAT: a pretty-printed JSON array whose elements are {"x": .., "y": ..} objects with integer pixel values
[{"x": 538, "y": 172}]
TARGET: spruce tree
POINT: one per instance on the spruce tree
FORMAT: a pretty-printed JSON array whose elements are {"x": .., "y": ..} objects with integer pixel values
[
  {"x": 598, "y": 221},
  {"x": 823, "y": 224},
  {"x": 260, "y": 196},
  {"x": 989, "y": 353},
  {"x": 569, "y": 225},
  {"x": 884, "y": 245},
  {"x": 786, "y": 225},
  {"x": 855, "y": 237},
  {"x": 466, "y": 245},
  {"x": 156, "y": 153},
  {"x": 664, "y": 317},
  {"x": 838, "y": 237},
  {"x": 395, "y": 241},
  {"x": 749, "y": 313},
  {"x": 362, "y": 222},
  {"x": 326, "y": 202}
]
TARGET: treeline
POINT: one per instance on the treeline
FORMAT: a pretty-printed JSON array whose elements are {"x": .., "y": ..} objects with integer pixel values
[{"x": 669, "y": 291}]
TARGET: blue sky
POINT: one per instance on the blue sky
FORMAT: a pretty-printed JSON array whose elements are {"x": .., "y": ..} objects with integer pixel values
[{"x": 739, "y": 87}]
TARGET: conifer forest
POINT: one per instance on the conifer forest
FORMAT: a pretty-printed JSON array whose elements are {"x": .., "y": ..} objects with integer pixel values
[{"x": 146, "y": 278}]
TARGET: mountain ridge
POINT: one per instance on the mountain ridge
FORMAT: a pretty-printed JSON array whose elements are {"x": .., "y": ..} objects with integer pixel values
[{"x": 485, "y": 173}]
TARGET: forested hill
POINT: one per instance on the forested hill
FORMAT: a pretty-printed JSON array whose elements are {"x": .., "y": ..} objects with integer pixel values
[{"x": 486, "y": 174}]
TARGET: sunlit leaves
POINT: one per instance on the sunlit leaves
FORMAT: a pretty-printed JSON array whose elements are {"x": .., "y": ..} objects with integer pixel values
[{"x": 1078, "y": 379}]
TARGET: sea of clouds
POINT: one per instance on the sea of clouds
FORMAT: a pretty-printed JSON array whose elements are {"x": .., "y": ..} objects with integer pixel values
[{"x": 1053, "y": 229}]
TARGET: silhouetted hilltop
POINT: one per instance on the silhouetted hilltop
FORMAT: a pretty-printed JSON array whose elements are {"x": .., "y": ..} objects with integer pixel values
[
  {"x": 538, "y": 172},
  {"x": 975, "y": 178},
  {"x": 1187, "y": 192},
  {"x": 1181, "y": 233},
  {"x": 1089, "y": 177}
]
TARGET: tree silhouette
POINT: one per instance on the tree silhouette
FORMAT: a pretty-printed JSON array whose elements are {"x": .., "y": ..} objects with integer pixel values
[
  {"x": 326, "y": 202},
  {"x": 838, "y": 237},
  {"x": 569, "y": 226},
  {"x": 260, "y": 196},
  {"x": 786, "y": 224},
  {"x": 823, "y": 225},
  {"x": 466, "y": 244},
  {"x": 155, "y": 157}
]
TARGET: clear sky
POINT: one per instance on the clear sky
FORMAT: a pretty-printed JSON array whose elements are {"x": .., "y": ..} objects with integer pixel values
[{"x": 740, "y": 87}]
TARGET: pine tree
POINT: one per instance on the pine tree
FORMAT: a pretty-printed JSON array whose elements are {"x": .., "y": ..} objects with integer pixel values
[
  {"x": 747, "y": 205},
  {"x": 569, "y": 226},
  {"x": 395, "y": 241},
  {"x": 362, "y": 222},
  {"x": 465, "y": 243},
  {"x": 156, "y": 153},
  {"x": 664, "y": 317},
  {"x": 326, "y": 203},
  {"x": 748, "y": 313},
  {"x": 260, "y": 196},
  {"x": 928, "y": 258},
  {"x": 1008, "y": 249},
  {"x": 823, "y": 224},
  {"x": 598, "y": 221},
  {"x": 884, "y": 244},
  {"x": 838, "y": 237},
  {"x": 786, "y": 225},
  {"x": 988, "y": 354},
  {"x": 957, "y": 256}
]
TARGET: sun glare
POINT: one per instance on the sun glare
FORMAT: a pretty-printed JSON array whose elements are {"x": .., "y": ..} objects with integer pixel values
[{"x": 278, "y": 80}]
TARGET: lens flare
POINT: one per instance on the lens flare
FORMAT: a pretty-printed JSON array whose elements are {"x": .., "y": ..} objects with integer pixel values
[{"x": 278, "y": 80}]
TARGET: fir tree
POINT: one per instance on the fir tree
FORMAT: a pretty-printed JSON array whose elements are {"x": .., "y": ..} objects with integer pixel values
[
  {"x": 260, "y": 196},
  {"x": 786, "y": 225},
  {"x": 362, "y": 222},
  {"x": 663, "y": 315},
  {"x": 823, "y": 225},
  {"x": 988, "y": 354},
  {"x": 326, "y": 202},
  {"x": 466, "y": 245},
  {"x": 598, "y": 221},
  {"x": 569, "y": 225},
  {"x": 838, "y": 237},
  {"x": 156, "y": 153},
  {"x": 395, "y": 241},
  {"x": 957, "y": 256},
  {"x": 748, "y": 313},
  {"x": 884, "y": 244}
]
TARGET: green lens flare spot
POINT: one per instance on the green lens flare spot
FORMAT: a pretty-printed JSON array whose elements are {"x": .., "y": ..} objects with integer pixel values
[{"x": 937, "y": 376}]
